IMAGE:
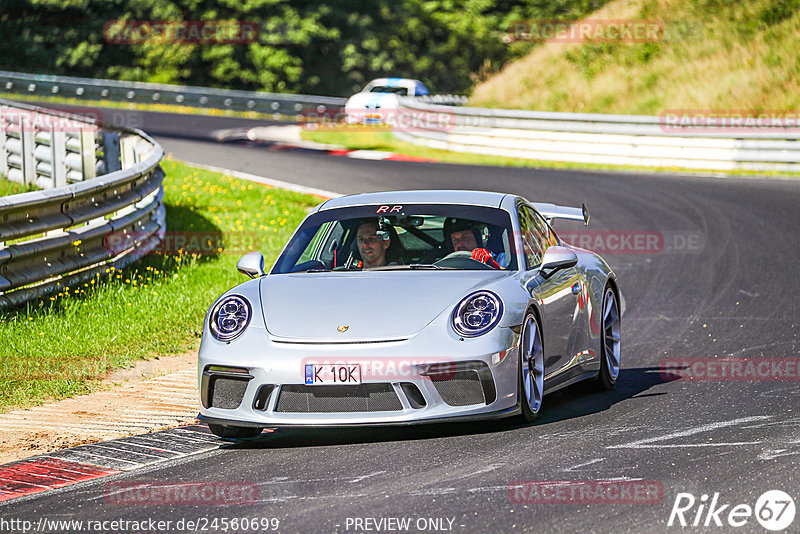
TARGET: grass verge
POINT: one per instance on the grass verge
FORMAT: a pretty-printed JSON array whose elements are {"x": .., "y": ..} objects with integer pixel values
[
  {"x": 381, "y": 138},
  {"x": 12, "y": 188},
  {"x": 63, "y": 345}
]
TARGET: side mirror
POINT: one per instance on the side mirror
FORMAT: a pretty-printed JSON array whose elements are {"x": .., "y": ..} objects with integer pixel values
[
  {"x": 251, "y": 264},
  {"x": 555, "y": 259}
]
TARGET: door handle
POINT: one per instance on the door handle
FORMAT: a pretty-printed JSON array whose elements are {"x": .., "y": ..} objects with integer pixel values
[{"x": 576, "y": 288}]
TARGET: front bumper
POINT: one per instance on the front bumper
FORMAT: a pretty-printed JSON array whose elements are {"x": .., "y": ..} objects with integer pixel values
[{"x": 416, "y": 380}]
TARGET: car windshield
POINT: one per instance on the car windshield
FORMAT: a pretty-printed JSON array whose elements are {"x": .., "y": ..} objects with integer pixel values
[
  {"x": 403, "y": 91},
  {"x": 409, "y": 237}
]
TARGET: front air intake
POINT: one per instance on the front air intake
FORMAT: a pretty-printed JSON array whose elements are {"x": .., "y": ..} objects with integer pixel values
[
  {"x": 333, "y": 399},
  {"x": 226, "y": 393},
  {"x": 463, "y": 384},
  {"x": 224, "y": 387}
]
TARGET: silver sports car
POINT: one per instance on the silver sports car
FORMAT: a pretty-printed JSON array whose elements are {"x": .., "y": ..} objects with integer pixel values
[{"x": 409, "y": 307}]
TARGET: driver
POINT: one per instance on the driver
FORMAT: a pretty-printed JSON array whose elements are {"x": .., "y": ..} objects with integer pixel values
[
  {"x": 463, "y": 235},
  {"x": 370, "y": 246}
]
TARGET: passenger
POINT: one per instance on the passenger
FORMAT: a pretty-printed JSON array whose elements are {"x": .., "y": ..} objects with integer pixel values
[
  {"x": 370, "y": 246},
  {"x": 463, "y": 235}
]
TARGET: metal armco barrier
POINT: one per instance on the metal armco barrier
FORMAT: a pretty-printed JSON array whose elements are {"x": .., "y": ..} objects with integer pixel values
[
  {"x": 446, "y": 100},
  {"x": 154, "y": 93},
  {"x": 601, "y": 139},
  {"x": 48, "y": 150},
  {"x": 56, "y": 237}
]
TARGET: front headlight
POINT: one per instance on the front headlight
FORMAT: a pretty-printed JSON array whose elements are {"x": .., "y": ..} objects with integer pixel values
[
  {"x": 477, "y": 313},
  {"x": 230, "y": 317}
]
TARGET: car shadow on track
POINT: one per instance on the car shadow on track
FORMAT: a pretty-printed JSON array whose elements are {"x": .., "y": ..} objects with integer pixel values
[{"x": 575, "y": 401}]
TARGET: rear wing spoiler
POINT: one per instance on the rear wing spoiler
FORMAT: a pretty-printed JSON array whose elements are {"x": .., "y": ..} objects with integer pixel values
[{"x": 551, "y": 211}]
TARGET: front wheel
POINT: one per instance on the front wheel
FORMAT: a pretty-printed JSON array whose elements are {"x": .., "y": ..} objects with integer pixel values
[
  {"x": 610, "y": 342},
  {"x": 531, "y": 368},
  {"x": 234, "y": 432}
]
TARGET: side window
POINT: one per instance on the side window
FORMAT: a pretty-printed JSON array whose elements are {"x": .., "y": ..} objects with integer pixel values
[
  {"x": 313, "y": 246},
  {"x": 334, "y": 241},
  {"x": 549, "y": 237},
  {"x": 533, "y": 238},
  {"x": 553, "y": 237},
  {"x": 321, "y": 245}
]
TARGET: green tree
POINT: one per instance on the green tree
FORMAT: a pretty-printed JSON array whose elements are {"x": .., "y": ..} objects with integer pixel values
[{"x": 306, "y": 46}]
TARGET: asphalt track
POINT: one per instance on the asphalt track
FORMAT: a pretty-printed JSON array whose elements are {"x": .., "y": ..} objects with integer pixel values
[{"x": 732, "y": 293}]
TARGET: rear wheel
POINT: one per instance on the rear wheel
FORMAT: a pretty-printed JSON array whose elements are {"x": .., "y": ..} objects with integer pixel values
[
  {"x": 610, "y": 342},
  {"x": 234, "y": 432},
  {"x": 531, "y": 368}
]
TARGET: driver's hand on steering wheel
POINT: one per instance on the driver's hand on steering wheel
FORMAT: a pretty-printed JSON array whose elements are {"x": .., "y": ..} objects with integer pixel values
[{"x": 484, "y": 256}]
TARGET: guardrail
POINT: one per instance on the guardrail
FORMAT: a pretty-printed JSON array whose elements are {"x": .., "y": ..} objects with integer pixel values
[
  {"x": 47, "y": 150},
  {"x": 572, "y": 137},
  {"x": 56, "y": 237},
  {"x": 154, "y": 93},
  {"x": 443, "y": 99},
  {"x": 602, "y": 139}
]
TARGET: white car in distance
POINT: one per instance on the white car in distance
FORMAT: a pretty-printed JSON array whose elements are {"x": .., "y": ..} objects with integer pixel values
[{"x": 379, "y": 97}]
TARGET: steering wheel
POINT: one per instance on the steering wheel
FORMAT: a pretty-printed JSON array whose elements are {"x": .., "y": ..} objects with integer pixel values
[{"x": 461, "y": 259}]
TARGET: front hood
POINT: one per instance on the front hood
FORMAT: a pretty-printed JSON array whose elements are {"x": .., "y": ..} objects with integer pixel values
[{"x": 374, "y": 306}]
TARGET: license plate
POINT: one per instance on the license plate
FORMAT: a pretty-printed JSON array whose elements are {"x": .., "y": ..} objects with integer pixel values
[{"x": 332, "y": 374}]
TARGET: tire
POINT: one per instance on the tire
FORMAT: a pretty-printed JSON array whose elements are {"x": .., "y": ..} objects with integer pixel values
[
  {"x": 530, "y": 383},
  {"x": 609, "y": 342},
  {"x": 234, "y": 432}
]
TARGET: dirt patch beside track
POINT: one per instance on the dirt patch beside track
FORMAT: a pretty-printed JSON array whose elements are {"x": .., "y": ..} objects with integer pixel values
[{"x": 152, "y": 395}]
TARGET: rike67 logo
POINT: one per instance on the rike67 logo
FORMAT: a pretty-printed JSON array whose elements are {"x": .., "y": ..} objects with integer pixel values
[{"x": 774, "y": 510}]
